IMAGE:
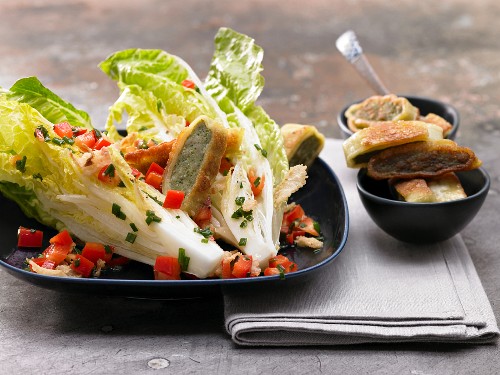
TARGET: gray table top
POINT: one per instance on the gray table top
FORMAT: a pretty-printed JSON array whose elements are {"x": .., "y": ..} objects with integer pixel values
[{"x": 447, "y": 50}]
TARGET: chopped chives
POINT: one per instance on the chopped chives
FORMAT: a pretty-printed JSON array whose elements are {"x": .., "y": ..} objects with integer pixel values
[
  {"x": 131, "y": 237},
  {"x": 204, "y": 240},
  {"x": 244, "y": 224},
  {"x": 282, "y": 271},
  {"x": 117, "y": 211},
  {"x": 21, "y": 164},
  {"x": 256, "y": 182},
  {"x": 134, "y": 227},
  {"x": 151, "y": 217},
  {"x": 108, "y": 249},
  {"x": 58, "y": 141},
  {"x": 242, "y": 242},
  {"x": 183, "y": 259}
]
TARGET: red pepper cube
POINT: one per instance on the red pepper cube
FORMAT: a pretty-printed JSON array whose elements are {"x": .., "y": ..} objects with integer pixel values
[
  {"x": 94, "y": 251},
  {"x": 85, "y": 141},
  {"x": 173, "y": 199},
  {"x": 29, "y": 237},
  {"x": 82, "y": 265},
  {"x": 167, "y": 268},
  {"x": 63, "y": 129},
  {"x": 62, "y": 238}
]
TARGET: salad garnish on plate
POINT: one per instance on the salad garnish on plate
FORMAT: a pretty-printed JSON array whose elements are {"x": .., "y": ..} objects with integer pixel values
[{"x": 201, "y": 168}]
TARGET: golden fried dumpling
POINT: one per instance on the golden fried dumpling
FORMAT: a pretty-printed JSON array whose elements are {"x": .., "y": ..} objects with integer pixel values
[
  {"x": 194, "y": 162},
  {"x": 303, "y": 143},
  {"x": 437, "y": 120},
  {"x": 421, "y": 160},
  {"x": 443, "y": 188},
  {"x": 380, "y": 108},
  {"x": 362, "y": 145}
]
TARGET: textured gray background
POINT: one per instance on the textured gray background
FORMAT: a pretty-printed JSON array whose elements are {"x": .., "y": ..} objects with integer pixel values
[{"x": 445, "y": 49}]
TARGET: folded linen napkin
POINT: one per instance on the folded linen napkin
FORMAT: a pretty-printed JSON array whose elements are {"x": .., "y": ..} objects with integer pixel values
[{"x": 377, "y": 290}]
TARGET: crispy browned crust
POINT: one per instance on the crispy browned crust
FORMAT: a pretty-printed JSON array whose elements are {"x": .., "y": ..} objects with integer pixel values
[
  {"x": 446, "y": 187},
  {"x": 180, "y": 167},
  {"x": 413, "y": 190},
  {"x": 361, "y": 146},
  {"x": 437, "y": 120},
  {"x": 421, "y": 160},
  {"x": 142, "y": 159}
]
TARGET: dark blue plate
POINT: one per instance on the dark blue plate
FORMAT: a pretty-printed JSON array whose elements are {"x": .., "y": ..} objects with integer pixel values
[{"x": 322, "y": 198}]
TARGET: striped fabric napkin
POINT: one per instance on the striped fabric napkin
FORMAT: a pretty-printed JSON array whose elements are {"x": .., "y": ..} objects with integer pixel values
[{"x": 377, "y": 290}]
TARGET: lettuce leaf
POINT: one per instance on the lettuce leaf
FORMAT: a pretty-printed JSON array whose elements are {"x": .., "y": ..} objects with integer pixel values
[
  {"x": 58, "y": 186},
  {"x": 234, "y": 80},
  {"x": 31, "y": 91}
]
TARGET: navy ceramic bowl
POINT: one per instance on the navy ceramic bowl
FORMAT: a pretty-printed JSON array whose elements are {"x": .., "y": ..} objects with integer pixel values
[
  {"x": 425, "y": 105},
  {"x": 423, "y": 222}
]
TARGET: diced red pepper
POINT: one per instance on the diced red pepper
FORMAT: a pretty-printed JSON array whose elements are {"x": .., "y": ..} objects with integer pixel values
[
  {"x": 154, "y": 175},
  {"x": 63, "y": 129},
  {"x": 173, "y": 199},
  {"x": 102, "y": 142},
  {"x": 306, "y": 224},
  {"x": 86, "y": 140},
  {"x": 94, "y": 251},
  {"x": 62, "y": 238},
  {"x": 29, "y": 237},
  {"x": 108, "y": 175},
  {"x": 269, "y": 271},
  {"x": 295, "y": 213},
  {"x": 290, "y": 237},
  {"x": 154, "y": 179},
  {"x": 226, "y": 269},
  {"x": 288, "y": 265},
  {"x": 256, "y": 183},
  {"x": 187, "y": 83},
  {"x": 167, "y": 268},
  {"x": 57, "y": 252},
  {"x": 242, "y": 266},
  {"x": 82, "y": 265},
  {"x": 155, "y": 167},
  {"x": 79, "y": 131}
]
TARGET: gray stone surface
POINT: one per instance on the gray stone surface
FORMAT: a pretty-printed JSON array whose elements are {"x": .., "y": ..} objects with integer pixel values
[{"x": 448, "y": 50}]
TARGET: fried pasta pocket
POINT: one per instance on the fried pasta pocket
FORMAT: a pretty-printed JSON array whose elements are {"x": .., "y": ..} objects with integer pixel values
[
  {"x": 442, "y": 188},
  {"x": 422, "y": 159},
  {"x": 362, "y": 145}
]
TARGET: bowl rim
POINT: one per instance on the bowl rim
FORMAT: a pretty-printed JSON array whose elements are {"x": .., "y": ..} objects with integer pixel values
[
  {"x": 342, "y": 120},
  {"x": 393, "y": 202}
]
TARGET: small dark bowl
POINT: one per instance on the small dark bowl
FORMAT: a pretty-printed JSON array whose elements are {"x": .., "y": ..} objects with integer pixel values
[
  {"x": 423, "y": 222},
  {"x": 425, "y": 105}
]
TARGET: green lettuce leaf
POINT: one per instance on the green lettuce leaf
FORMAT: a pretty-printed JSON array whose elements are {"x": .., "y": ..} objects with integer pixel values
[
  {"x": 234, "y": 80},
  {"x": 57, "y": 185},
  {"x": 31, "y": 91},
  {"x": 161, "y": 74}
]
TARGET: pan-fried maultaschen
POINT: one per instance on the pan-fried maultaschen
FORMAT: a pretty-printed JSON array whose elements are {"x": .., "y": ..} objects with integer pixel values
[
  {"x": 422, "y": 159},
  {"x": 362, "y": 145},
  {"x": 444, "y": 188}
]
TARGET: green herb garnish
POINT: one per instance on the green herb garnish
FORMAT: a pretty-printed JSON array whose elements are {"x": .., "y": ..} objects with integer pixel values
[
  {"x": 21, "y": 164},
  {"x": 131, "y": 237},
  {"x": 117, "y": 211},
  {"x": 183, "y": 259}
]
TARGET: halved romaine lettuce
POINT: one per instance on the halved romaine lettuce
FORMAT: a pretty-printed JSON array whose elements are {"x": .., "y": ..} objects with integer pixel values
[
  {"x": 228, "y": 95},
  {"x": 55, "y": 185}
]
